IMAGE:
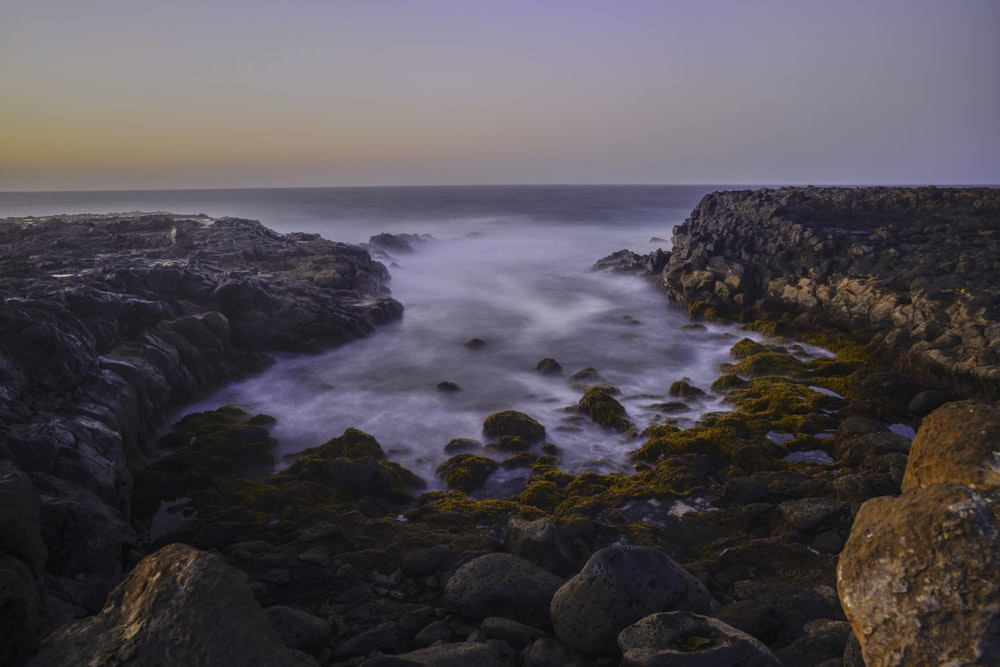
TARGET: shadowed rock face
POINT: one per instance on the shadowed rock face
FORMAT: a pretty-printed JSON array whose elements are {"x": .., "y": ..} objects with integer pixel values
[
  {"x": 107, "y": 321},
  {"x": 915, "y": 270}
]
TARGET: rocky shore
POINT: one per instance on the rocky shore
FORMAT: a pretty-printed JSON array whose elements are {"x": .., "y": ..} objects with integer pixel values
[
  {"x": 800, "y": 527},
  {"x": 913, "y": 271}
]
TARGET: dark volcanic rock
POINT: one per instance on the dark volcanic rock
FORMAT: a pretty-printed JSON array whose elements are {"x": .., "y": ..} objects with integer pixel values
[
  {"x": 106, "y": 322},
  {"x": 682, "y": 638},
  {"x": 618, "y": 586},
  {"x": 913, "y": 270}
]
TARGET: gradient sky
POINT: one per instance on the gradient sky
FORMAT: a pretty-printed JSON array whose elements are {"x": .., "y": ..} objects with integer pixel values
[{"x": 118, "y": 94}]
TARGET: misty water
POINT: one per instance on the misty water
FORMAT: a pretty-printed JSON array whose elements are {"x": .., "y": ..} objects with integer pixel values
[{"x": 510, "y": 266}]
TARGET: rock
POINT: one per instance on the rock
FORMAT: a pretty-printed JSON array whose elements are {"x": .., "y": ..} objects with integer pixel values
[
  {"x": 178, "y": 606},
  {"x": 466, "y": 472},
  {"x": 433, "y": 632},
  {"x": 540, "y": 542},
  {"x": 20, "y": 519},
  {"x": 549, "y": 366},
  {"x": 684, "y": 389},
  {"x": 808, "y": 514},
  {"x": 928, "y": 401},
  {"x": 917, "y": 576},
  {"x": 448, "y": 387},
  {"x": 386, "y": 637},
  {"x": 475, "y": 343},
  {"x": 599, "y": 403},
  {"x": 547, "y": 652},
  {"x": 877, "y": 262},
  {"x": 824, "y": 641},
  {"x": 511, "y": 422},
  {"x": 298, "y": 629},
  {"x": 462, "y": 654},
  {"x": 685, "y": 639},
  {"x": 516, "y": 634},
  {"x": 503, "y": 585},
  {"x": 958, "y": 443},
  {"x": 20, "y": 609},
  {"x": 616, "y": 587}
]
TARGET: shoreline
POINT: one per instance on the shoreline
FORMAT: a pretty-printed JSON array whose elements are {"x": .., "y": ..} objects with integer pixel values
[{"x": 327, "y": 528}]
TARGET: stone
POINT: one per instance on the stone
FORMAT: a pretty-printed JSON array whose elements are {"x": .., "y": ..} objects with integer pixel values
[
  {"x": 685, "y": 639},
  {"x": 616, "y": 587},
  {"x": 549, "y": 366},
  {"x": 599, "y": 403},
  {"x": 516, "y": 634},
  {"x": 808, "y": 514},
  {"x": 958, "y": 442},
  {"x": 298, "y": 629},
  {"x": 178, "y": 606},
  {"x": 540, "y": 542},
  {"x": 20, "y": 519},
  {"x": 917, "y": 577},
  {"x": 512, "y": 422},
  {"x": 462, "y": 654},
  {"x": 20, "y": 609},
  {"x": 926, "y": 402},
  {"x": 503, "y": 585}
]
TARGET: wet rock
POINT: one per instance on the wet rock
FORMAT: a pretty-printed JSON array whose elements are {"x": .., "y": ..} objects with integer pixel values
[
  {"x": 616, "y": 587},
  {"x": 684, "y": 389},
  {"x": 475, "y": 343},
  {"x": 178, "y": 606},
  {"x": 547, "y": 652},
  {"x": 690, "y": 640},
  {"x": 21, "y": 620},
  {"x": 599, "y": 403},
  {"x": 466, "y": 472},
  {"x": 512, "y": 422},
  {"x": 503, "y": 585},
  {"x": 448, "y": 387},
  {"x": 928, "y": 401},
  {"x": 549, "y": 366}
]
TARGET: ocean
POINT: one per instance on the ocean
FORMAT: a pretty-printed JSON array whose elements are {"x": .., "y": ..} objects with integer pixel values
[{"x": 511, "y": 266}]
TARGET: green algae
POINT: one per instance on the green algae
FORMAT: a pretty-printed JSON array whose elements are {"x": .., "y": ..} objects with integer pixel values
[
  {"x": 599, "y": 403},
  {"x": 466, "y": 472}
]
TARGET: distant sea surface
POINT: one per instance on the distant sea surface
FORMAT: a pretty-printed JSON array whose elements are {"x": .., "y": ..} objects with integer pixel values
[{"x": 511, "y": 266}]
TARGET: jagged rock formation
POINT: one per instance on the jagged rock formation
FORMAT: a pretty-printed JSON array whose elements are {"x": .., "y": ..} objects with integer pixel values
[
  {"x": 918, "y": 575},
  {"x": 106, "y": 322},
  {"x": 916, "y": 270}
]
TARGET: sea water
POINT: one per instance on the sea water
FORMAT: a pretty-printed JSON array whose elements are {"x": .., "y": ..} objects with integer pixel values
[{"x": 510, "y": 266}]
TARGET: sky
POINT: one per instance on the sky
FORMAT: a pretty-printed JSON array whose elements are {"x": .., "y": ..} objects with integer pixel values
[{"x": 133, "y": 94}]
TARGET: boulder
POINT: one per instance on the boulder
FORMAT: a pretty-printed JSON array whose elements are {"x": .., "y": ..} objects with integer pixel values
[
  {"x": 960, "y": 443},
  {"x": 298, "y": 629},
  {"x": 917, "y": 576},
  {"x": 179, "y": 606},
  {"x": 616, "y": 587},
  {"x": 503, "y": 585},
  {"x": 461, "y": 654},
  {"x": 512, "y": 422},
  {"x": 683, "y": 639}
]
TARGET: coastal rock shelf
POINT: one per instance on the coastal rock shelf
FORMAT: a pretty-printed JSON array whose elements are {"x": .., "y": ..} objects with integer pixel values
[
  {"x": 914, "y": 270},
  {"x": 105, "y": 323}
]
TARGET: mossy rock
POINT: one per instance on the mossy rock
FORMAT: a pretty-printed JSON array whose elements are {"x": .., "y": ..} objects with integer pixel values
[
  {"x": 462, "y": 445},
  {"x": 603, "y": 408},
  {"x": 353, "y": 444},
  {"x": 587, "y": 374},
  {"x": 509, "y": 443},
  {"x": 466, "y": 472},
  {"x": 684, "y": 389},
  {"x": 512, "y": 422},
  {"x": 729, "y": 381},
  {"x": 456, "y": 512},
  {"x": 543, "y": 494},
  {"x": 520, "y": 460},
  {"x": 549, "y": 366}
]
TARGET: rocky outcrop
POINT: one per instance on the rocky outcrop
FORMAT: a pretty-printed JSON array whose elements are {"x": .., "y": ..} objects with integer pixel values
[
  {"x": 918, "y": 575},
  {"x": 179, "y": 606},
  {"x": 913, "y": 270},
  {"x": 108, "y": 321}
]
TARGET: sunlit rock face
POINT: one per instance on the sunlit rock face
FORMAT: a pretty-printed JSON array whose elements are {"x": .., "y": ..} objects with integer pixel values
[
  {"x": 917, "y": 577},
  {"x": 912, "y": 268},
  {"x": 179, "y": 606}
]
